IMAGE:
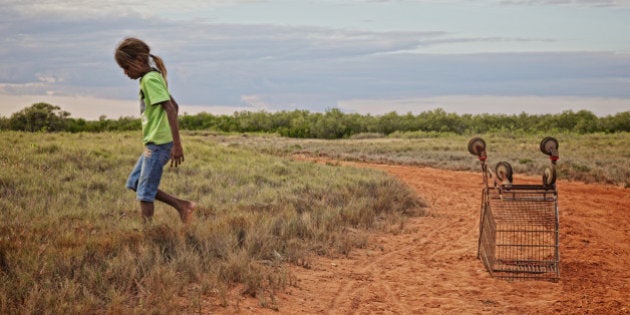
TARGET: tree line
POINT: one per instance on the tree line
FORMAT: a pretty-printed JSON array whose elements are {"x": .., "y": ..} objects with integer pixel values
[{"x": 331, "y": 124}]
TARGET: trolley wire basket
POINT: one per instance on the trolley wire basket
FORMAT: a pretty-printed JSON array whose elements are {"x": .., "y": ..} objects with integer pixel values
[{"x": 519, "y": 224}]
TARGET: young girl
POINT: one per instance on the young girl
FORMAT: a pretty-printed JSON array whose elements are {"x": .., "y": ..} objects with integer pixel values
[{"x": 160, "y": 129}]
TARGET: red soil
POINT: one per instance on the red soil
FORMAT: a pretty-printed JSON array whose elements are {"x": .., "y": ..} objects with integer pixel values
[{"x": 432, "y": 266}]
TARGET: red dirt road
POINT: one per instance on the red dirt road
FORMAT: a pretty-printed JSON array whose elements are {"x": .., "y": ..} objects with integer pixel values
[{"x": 432, "y": 267}]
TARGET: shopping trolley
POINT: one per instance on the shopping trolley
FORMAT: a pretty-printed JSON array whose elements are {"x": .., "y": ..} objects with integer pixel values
[{"x": 519, "y": 224}]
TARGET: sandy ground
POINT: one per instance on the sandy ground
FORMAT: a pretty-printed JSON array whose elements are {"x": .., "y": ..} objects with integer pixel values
[{"x": 432, "y": 267}]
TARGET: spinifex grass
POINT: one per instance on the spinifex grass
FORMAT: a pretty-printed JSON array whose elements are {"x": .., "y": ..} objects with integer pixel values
[
  {"x": 72, "y": 241},
  {"x": 591, "y": 157}
]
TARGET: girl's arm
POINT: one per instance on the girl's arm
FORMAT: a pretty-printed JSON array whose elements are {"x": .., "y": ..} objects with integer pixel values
[{"x": 177, "y": 153}]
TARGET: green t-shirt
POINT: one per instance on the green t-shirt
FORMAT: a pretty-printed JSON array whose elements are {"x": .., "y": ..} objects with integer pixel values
[{"x": 153, "y": 92}]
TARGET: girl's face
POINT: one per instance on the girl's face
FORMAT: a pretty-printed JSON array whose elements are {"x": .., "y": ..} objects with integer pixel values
[{"x": 135, "y": 70}]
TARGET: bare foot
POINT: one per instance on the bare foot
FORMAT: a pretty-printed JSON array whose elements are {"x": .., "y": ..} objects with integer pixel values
[{"x": 186, "y": 211}]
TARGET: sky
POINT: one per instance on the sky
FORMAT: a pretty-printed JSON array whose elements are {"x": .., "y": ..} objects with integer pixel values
[{"x": 361, "y": 56}]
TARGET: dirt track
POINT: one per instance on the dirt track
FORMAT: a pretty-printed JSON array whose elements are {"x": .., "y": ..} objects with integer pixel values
[{"x": 432, "y": 267}]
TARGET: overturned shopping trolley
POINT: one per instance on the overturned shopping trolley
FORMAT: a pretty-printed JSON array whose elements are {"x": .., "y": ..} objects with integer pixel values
[{"x": 518, "y": 226}]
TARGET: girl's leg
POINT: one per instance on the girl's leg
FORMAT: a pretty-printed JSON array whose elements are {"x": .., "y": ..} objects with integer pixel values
[
  {"x": 149, "y": 174},
  {"x": 147, "y": 211},
  {"x": 185, "y": 208}
]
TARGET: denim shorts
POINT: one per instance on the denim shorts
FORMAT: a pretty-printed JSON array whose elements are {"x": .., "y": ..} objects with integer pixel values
[{"x": 146, "y": 175}]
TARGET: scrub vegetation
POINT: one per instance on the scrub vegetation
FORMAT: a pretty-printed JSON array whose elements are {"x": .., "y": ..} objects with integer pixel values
[
  {"x": 332, "y": 124},
  {"x": 591, "y": 158},
  {"x": 72, "y": 241}
]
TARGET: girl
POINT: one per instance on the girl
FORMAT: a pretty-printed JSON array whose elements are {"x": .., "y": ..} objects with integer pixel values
[{"x": 160, "y": 129}]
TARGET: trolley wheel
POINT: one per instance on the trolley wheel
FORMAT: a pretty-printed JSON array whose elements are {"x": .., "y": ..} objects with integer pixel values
[
  {"x": 476, "y": 146},
  {"x": 549, "y": 146},
  {"x": 549, "y": 177},
  {"x": 503, "y": 171}
]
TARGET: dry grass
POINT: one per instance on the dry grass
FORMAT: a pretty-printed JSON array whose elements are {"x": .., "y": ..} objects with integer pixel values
[
  {"x": 603, "y": 158},
  {"x": 72, "y": 241}
]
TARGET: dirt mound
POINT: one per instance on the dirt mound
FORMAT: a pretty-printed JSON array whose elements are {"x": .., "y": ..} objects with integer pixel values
[{"x": 432, "y": 266}]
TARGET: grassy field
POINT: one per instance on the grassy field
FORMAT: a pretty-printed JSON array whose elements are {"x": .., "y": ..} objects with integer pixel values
[
  {"x": 72, "y": 241},
  {"x": 592, "y": 158}
]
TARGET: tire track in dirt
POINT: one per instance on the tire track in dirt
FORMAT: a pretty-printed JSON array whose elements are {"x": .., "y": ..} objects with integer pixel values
[
  {"x": 446, "y": 232},
  {"x": 351, "y": 289}
]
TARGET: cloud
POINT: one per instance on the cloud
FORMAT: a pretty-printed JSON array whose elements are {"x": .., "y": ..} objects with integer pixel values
[
  {"x": 255, "y": 102},
  {"x": 490, "y": 104},
  {"x": 212, "y": 62},
  {"x": 88, "y": 107},
  {"x": 409, "y": 75},
  {"x": 113, "y": 7},
  {"x": 588, "y": 3},
  {"x": 47, "y": 50},
  {"x": 584, "y": 3}
]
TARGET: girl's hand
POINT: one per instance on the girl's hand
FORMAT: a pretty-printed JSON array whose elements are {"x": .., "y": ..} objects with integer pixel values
[{"x": 177, "y": 155}]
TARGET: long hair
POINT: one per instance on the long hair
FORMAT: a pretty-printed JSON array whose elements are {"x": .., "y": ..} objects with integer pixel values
[{"x": 131, "y": 49}]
